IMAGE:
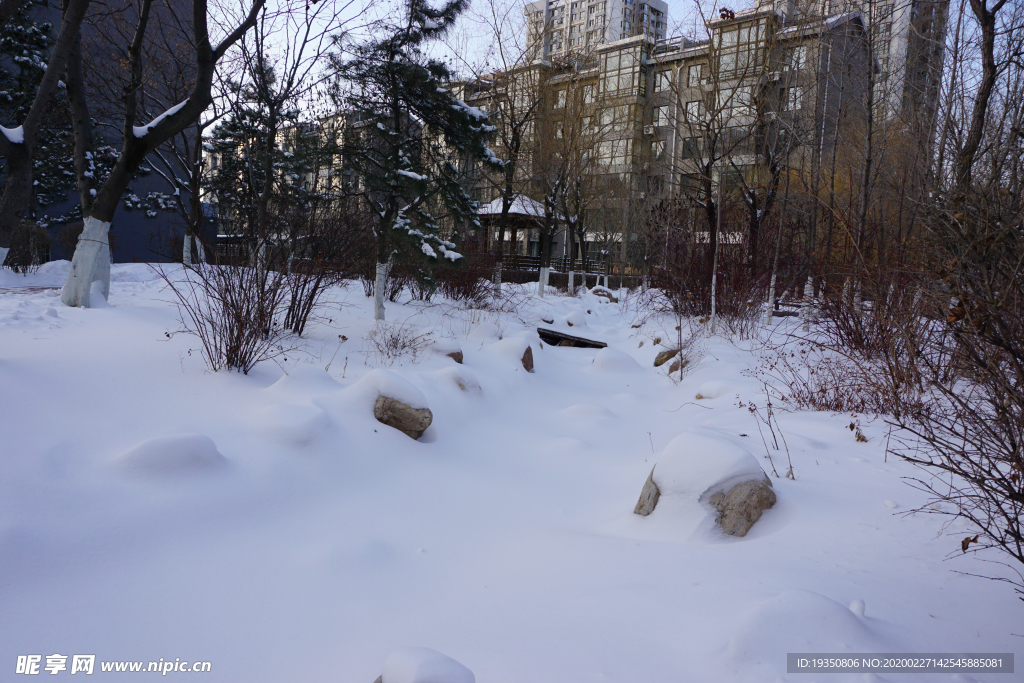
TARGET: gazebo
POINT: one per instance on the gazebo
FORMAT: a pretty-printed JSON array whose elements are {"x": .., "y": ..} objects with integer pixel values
[{"x": 524, "y": 215}]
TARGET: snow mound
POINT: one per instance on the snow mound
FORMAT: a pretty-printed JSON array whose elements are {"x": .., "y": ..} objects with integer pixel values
[
  {"x": 377, "y": 382},
  {"x": 423, "y": 665},
  {"x": 460, "y": 377},
  {"x": 697, "y": 465},
  {"x": 173, "y": 455},
  {"x": 589, "y": 410},
  {"x": 445, "y": 345},
  {"x": 55, "y": 269},
  {"x": 305, "y": 380},
  {"x": 576, "y": 319},
  {"x": 801, "y": 621},
  {"x": 512, "y": 349},
  {"x": 291, "y": 423},
  {"x": 133, "y": 272},
  {"x": 611, "y": 360},
  {"x": 96, "y": 298},
  {"x": 716, "y": 388},
  {"x": 484, "y": 332}
]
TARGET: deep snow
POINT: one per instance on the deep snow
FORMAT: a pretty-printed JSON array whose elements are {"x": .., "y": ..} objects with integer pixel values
[{"x": 268, "y": 524}]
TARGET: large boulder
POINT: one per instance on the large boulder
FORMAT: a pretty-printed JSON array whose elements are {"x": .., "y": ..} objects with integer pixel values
[
  {"x": 401, "y": 416},
  {"x": 703, "y": 471}
]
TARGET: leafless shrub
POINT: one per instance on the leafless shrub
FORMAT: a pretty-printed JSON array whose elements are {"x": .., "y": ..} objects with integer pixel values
[
  {"x": 468, "y": 284},
  {"x": 393, "y": 342},
  {"x": 235, "y": 311},
  {"x": 327, "y": 244},
  {"x": 30, "y": 248}
]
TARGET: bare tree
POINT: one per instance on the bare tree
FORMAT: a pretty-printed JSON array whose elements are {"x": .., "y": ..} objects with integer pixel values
[
  {"x": 91, "y": 261},
  {"x": 16, "y": 145}
]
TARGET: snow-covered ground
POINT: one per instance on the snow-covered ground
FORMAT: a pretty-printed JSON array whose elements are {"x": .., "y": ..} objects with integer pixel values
[{"x": 269, "y": 525}]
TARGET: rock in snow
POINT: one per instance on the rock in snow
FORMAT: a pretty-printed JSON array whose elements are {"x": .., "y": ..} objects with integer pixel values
[
  {"x": 713, "y": 472},
  {"x": 396, "y": 401},
  {"x": 648, "y": 497},
  {"x": 401, "y": 416},
  {"x": 664, "y": 357},
  {"x": 528, "y": 359},
  {"x": 742, "y": 505},
  {"x": 423, "y": 665}
]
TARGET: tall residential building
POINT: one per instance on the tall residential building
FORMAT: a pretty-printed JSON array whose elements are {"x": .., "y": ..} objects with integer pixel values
[
  {"x": 680, "y": 118},
  {"x": 560, "y": 26}
]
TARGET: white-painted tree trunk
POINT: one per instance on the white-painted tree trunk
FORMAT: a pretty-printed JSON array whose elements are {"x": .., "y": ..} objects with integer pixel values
[
  {"x": 3, "y": 255},
  {"x": 379, "y": 284},
  {"x": 771, "y": 301},
  {"x": 572, "y": 282},
  {"x": 542, "y": 280},
  {"x": 186, "y": 251},
  {"x": 808, "y": 308},
  {"x": 91, "y": 263},
  {"x": 200, "y": 252},
  {"x": 496, "y": 290}
]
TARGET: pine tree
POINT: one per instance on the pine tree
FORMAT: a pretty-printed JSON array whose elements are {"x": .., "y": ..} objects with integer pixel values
[{"x": 405, "y": 137}]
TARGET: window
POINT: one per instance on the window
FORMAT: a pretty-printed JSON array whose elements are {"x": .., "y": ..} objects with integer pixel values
[
  {"x": 662, "y": 81},
  {"x": 658, "y": 149},
  {"x": 560, "y": 99},
  {"x": 742, "y": 102},
  {"x": 694, "y": 110},
  {"x": 691, "y": 148},
  {"x": 660, "y": 117},
  {"x": 793, "y": 102},
  {"x": 693, "y": 75},
  {"x": 798, "y": 59}
]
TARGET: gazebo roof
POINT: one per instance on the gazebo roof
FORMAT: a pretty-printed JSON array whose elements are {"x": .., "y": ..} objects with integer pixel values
[{"x": 521, "y": 206}]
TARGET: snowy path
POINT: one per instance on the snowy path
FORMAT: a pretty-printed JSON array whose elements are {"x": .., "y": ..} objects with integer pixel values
[{"x": 504, "y": 538}]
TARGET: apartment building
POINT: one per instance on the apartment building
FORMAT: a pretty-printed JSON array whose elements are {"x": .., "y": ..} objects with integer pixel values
[
  {"x": 558, "y": 27},
  {"x": 680, "y": 117}
]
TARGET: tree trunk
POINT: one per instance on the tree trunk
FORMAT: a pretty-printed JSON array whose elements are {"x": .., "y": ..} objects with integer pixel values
[
  {"x": 18, "y": 190},
  {"x": 91, "y": 263},
  {"x": 542, "y": 280},
  {"x": 379, "y": 284}
]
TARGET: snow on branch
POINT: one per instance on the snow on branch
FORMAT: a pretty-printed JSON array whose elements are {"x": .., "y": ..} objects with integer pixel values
[
  {"x": 14, "y": 135},
  {"x": 142, "y": 131}
]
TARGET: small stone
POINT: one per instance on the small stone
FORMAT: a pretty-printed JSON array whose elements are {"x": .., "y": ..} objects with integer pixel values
[
  {"x": 455, "y": 356},
  {"x": 528, "y": 359},
  {"x": 657, "y": 340},
  {"x": 648, "y": 497},
  {"x": 549, "y": 321},
  {"x": 404, "y": 418},
  {"x": 676, "y": 366},
  {"x": 664, "y": 357}
]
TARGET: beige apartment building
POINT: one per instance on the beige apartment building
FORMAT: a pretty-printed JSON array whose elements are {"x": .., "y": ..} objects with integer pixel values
[{"x": 663, "y": 119}]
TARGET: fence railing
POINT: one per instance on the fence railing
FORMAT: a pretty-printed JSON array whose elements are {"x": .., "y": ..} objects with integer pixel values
[{"x": 558, "y": 265}]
